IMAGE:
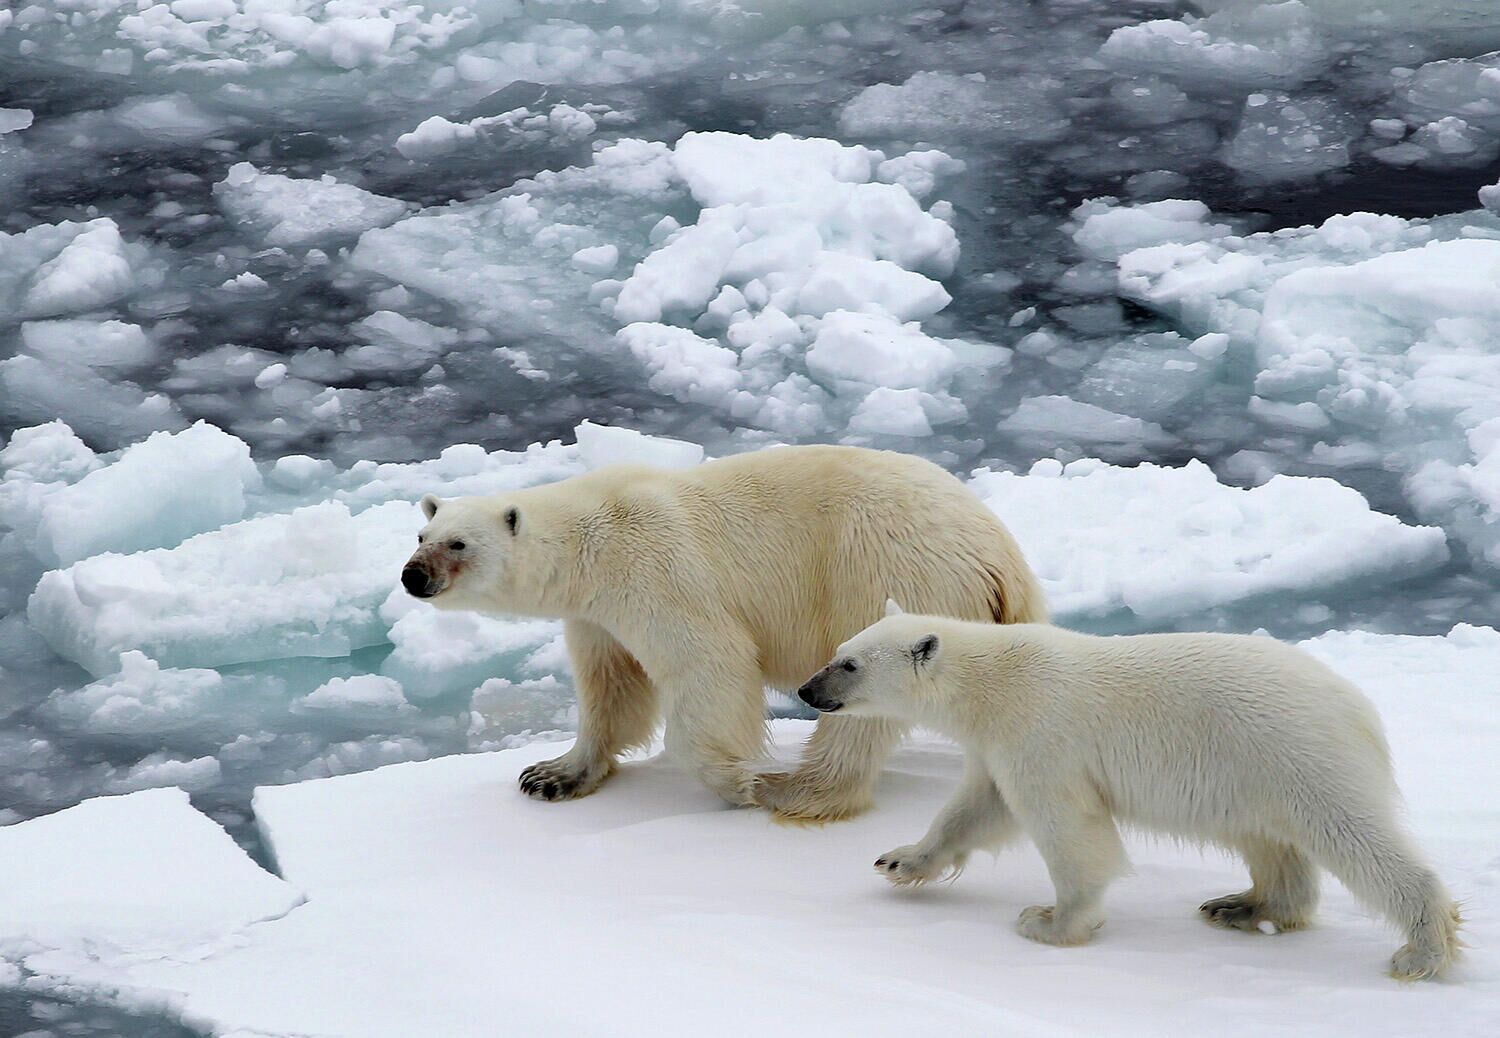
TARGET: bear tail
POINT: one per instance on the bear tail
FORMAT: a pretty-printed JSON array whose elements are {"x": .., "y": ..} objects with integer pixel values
[{"x": 1015, "y": 594}]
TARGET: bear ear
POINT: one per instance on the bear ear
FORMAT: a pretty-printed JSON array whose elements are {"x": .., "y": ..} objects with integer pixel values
[
  {"x": 892, "y": 609},
  {"x": 925, "y": 650},
  {"x": 430, "y": 504}
]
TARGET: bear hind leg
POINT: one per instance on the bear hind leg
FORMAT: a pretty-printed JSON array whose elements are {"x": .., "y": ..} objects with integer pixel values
[
  {"x": 1283, "y": 892},
  {"x": 617, "y": 711},
  {"x": 838, "y": 772},
  {"x": 1377, "y": 862}
]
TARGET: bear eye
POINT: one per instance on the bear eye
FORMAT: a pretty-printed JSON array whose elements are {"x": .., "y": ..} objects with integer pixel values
[
  {"x": 850, "y": 665},
  {"x": 421, "y": 538},
  {"x": 456, "y": 545}
]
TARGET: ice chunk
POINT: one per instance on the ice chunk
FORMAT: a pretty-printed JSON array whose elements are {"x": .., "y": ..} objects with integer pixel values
[
  {"x": 1254, "y": 45},
  {"x": 600, "y": 445},
  {"x": 873, "y": 349},
  {"x": 1285, "y": 138},
  {"x": 307, "y": 583},
  {"x": 683, "y": 365},
  {"x": 108, "y": 411},
  {"x": 282, "y": 211},
  {"x": 141, "y": 699},
  {"x": 1146, "y": 543},
  {"x": 13, "y": 119},
  {"x": 439, "y": 652},
  {"x": 891, "y": 412},
  {"x": 65, "y": 268},
  {"x": 1045, "y": 421},
  {"x": 1011, "y": 109},
  {"x": 49, "y": 453},
  {"x": 1371, "y": 329},
  {"x": 143, "y": 874},
  {"x": 361, "y": 693},
  {"x": 1159, "y": 377},
  {"x": 164, "y": 769},
  {"x": 1108, "y": 231},
  {"x": 791, "y": 233},
  {"x": 157, "y": 494},
  {"x": 110, "y": 345}
]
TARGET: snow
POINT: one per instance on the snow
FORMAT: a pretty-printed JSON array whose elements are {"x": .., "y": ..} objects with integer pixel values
[
  {"x": 157, "y": 494},
  {"x": 370, "y": 242},
  {"x": 128, "y": 877},
  {"x": 1144, "y": 544},
  {"x": 444, "y": 863},
  {"x": 1369, "y": 330}
]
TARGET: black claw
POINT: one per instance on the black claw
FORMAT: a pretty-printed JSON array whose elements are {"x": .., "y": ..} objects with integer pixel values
[{"x": 550, "y": 791}]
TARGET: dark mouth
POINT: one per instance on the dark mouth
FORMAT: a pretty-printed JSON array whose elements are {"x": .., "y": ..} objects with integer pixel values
[{"x": 827, "y": 708}]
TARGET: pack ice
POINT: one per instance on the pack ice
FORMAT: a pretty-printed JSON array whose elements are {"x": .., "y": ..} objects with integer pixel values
[
  {"x": 443, "y": 863},
  {"x": 1369, "y": 341},
  {"x": 226, "y": 586}
]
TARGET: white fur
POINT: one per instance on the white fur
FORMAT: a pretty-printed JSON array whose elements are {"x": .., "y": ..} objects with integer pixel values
[
  {"x": 1244, "y": 742},
  {"x": 686, "y": 592}
]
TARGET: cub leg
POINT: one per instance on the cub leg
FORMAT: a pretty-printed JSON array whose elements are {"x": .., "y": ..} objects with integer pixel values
[
  {"x": 977, "y": 816},
  {"x": 1078, "y": 840},
  {"x": 1283, "y": 890}
]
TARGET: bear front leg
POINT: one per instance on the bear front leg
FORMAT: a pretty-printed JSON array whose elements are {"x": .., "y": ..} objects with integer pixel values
[
  {"x": 617, "y": 711},
  {"x": 838, "y": 772},
  {"x": 714, "y": 698},
  {"x": 1078, "y": 840},
  {"x": 977, "y": 816}
]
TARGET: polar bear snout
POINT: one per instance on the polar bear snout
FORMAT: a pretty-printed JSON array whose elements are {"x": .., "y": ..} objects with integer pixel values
[
  {"x": 821, "y": 691},
  {"x": 417, "y": 581}
]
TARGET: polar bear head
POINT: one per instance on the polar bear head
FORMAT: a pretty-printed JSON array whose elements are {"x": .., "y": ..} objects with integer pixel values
[
  {"x": 886, "y": 670},
  {"x": 469, "y": 554}
]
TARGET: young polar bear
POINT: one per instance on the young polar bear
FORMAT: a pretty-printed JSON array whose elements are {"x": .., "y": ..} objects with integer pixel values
[
  {"x": 1239, "y": 741},
  {"x": 685, "y": 592}
]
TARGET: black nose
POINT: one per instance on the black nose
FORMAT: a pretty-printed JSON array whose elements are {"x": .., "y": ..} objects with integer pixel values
[
  {"x": 816, "y": 696},
  {"x": 414, "y": 579}
]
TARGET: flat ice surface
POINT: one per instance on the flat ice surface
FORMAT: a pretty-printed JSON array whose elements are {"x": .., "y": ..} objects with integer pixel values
[
  {"x": 550, "y": 918},
  {"x": 135, "y": 876}
]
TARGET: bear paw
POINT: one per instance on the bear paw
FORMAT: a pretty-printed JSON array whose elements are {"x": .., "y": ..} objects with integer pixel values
[
  {"x": 1234, "y": 912},
  {"x": 1040, "y": 923},
  {"x": 560, "y": 779},
  {"x": 1414, "y": 962},
  {"x": 794, "y": 798},
  {"x": 910, "y": 867}
]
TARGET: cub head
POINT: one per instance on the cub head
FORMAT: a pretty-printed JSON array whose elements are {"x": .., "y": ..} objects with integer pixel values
[
  {"x": 886, "y": 670},
  {"x": 464, "y": 551}
]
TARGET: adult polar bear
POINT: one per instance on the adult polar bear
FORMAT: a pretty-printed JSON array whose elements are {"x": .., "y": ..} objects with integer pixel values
[
  {"x": 686, "y": 592},
  {"x": 1238, "y": 741}
]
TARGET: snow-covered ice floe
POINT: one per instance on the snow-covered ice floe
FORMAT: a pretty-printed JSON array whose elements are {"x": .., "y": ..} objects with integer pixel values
[
  {"x": 760, "y": 928},
  {"x": 777, "y": 280},
  {"x": 1141, "y": 545},
  {"x": 1371, "y": 339}
]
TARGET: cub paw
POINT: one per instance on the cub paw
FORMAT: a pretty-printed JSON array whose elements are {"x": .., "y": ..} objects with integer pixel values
[
  {"x": 909, "y": 866},
  {"x": 559, "y": 779},
  {"x": 1233, "y": 912},
  {"x": 1040, "y": 923}
]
